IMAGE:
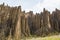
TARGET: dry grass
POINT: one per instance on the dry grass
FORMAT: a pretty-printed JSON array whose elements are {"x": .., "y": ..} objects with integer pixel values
[{"x": 55, "y": 37}]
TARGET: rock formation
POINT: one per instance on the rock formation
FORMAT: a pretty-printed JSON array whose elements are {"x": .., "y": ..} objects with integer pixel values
[{"x": 19, "y": 23}]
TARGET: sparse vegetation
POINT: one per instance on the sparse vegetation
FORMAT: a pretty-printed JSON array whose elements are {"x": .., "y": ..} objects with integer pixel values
[{"x": 44, "y": 38}]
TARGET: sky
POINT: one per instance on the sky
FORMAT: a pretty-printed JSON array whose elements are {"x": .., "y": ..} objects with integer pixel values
[{"x": 34, "y": 5}]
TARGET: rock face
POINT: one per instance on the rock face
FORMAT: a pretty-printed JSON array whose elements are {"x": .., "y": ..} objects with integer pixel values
[
  {"x": 19, "y": 23},
  {"x": 55, "y": 20},
  {"x": 46, "y": 20}
]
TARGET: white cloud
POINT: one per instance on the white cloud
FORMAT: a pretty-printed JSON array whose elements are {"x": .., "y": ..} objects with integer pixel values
[
  {"x": 48, "y": 4},
  {"x": 33, "y": 5}
]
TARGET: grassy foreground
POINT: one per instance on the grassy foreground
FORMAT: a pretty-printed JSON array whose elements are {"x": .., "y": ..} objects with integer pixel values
[{"x": 55, "y": 37}]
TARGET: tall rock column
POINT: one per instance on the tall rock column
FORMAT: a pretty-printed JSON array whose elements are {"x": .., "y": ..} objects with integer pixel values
[
  {"x": 46, "y": 22},
  {"x": 27, "y": 29},
  {"x": 23, "y": 25},
  {"x": 18, "y": 26}
]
